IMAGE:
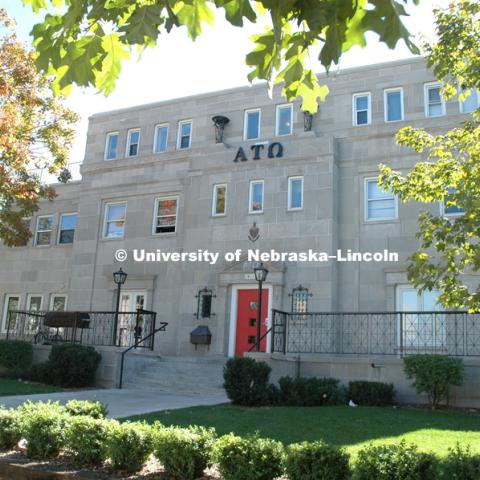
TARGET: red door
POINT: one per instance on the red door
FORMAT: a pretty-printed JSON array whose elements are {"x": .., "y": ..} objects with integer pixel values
[{"x": 247, "y": 320}]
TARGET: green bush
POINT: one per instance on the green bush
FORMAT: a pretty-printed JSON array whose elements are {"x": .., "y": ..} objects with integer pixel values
[
  {"x": 461, "y": 464},
  {"x": 85, "y": 407},
  {"x": 311, "y": 391},
  {"x": 372, "y": 394},
  {"x": 246, "y": 381},
  {"x": 86, "y": 438},
  {"x": 184, "y": 452},
  {"x": 43, "y": 427},
  {"x": 316, "y": 461},
  {"x": 10, "y": 428},
  {"x": 16, "y": 356},
  {"x": 434, "y": 375},
  {"x": 129, "y": 445},
  {"x": 395, "y": 462},
  {"x": 248, "y": 458}
]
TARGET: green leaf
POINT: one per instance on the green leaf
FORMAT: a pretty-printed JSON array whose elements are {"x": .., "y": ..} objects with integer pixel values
[
  {"x": 237, "y": 10},
  {"x": 37, "y": 5},
  {"x": 192, "y": 14},
  {"x": 143, "y": 23}
]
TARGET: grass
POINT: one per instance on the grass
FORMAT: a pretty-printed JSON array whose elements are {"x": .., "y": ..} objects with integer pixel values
[
  {"x": 9, "y": 386},
  {"x": 347, "y": 427}
]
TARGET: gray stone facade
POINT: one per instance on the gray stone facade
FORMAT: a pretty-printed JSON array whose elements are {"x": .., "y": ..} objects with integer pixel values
[{"x": 334, "y": 160}]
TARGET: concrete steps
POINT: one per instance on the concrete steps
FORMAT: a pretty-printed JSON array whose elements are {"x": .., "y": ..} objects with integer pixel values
[{"x": 188, "y": 375}]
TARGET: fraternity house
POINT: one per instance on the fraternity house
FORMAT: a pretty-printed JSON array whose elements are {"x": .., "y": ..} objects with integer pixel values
[{"x": 184, "y": 195}]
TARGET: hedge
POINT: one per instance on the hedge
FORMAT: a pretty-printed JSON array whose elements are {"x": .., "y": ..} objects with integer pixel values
[{"x": 16, "y": 356}]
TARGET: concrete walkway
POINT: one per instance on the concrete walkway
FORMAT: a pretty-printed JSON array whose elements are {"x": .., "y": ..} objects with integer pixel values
[{"x": 125, "y": 402}]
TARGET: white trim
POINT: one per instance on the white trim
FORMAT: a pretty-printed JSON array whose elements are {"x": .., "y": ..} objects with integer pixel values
[
  {"x": 60, "y": 226},
  {"x": 354, "y": 109},
  {"x": 473, "y": 91},
  {"x": 214, "y": 200},
  {"x": 104, "y": 233},
  {"x": 426, "y": 88},
  {"x": 160, "y": 125},
  {"x": 277, "y": 118},
  {"x": 232, "y": 337},
  {"x": 108, "y": 135},
  {"x": 57, "y": 295},
  {"x": 245, "y": 116},
  {"x": 365, "y": 203},
  {"x": 155, "y": 215},
  {"x": 250, "y": 194},
  {"x": 5, "y": 311},
  {"x": 29, "y": 298},
  {"x": 35, "y": 244},
  {"x": 179, "y": 134},
  {"x": 289, "y": 195},
  {"x": 129, "y": 141},
  {"x": 449, "y": 215},
  {"x": 385, "y": 104}
]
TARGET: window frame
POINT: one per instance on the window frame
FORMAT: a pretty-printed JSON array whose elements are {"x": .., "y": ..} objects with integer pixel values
[
  {"x": 107, "y": 137},
  {"x": 52, "y": 216},
  {"x": 59, "y": 233},
  {"x": 426, "y": 88},
  {"x": 476, "y": 91},
  {"x": 354, "y": 109},
  {"x": 179, "y": 134},
  {"x": 277, "y": 118},
  {"x": 245, "y": 123},
  {"x": 5, "y": 311},
  {"x": 155, "y": 215},
  {"x": 29, "y": 298},
  {"x": 28, "y": 222},
  {"x": 155, "y": 136},
  {"x": 386, "y": 91},
  {"x": 289, "y": 194},
  {"x": 366, "y": 201},
  {"x": 57, "y": 295},
  {"x": 105, "y": 220},
  {"x": 129, "y": 142},
  {"x": 214, "y": 200},
  {"x": 250, "y": 197},
  {"x": 443, "y": 213}
]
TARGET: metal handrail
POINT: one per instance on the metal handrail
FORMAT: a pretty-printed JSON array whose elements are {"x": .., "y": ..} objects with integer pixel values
[
  {"x": 259, "y": 340},
  {"x": 161, "y": 328}
]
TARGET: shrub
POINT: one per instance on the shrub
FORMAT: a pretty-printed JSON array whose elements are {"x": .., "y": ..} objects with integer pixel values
[
  {"x": 248, "y": 458},
  {"x": 86, "y": 438},
  {"x": 85, "y": 407},
  {"x": 16, "y": 356},
  {"x": 311, "y": 391},
  {"x": 42, "y": 372},
  {"x": 129, "y": 445},
  {"x": 246, "y": 381},
  {"x": 372, "y": 394},
  {"x": 394, "y": 462},
  {"x": 434, "y": 375},
  {"x": 43, "y": 426},
  {"x": 316, "y": 461},
  {"x": 10, "y": 428},
  {"x": 184, "y": 452},
  {"x": 461, "y": 464}
]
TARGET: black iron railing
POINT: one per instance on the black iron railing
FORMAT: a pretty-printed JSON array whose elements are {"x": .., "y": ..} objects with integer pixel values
[
  {"x": 377, "y": 333},
  {"x": 88, "y": 328}
]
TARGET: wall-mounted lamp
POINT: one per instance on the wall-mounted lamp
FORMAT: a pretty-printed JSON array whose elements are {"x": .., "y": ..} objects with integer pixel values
[
  {"x": 307, "y": 121},
  {"x": 219, "y": 122}
]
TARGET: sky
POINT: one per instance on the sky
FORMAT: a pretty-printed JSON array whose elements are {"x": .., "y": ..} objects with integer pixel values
[{"x": 178, "y": 67}]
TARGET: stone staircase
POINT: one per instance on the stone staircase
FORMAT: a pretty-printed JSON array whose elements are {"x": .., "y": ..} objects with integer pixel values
[{"x": 182, "y": 375}]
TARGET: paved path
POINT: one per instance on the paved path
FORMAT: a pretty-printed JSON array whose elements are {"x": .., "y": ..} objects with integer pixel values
[{"x": 125, "y": 402}]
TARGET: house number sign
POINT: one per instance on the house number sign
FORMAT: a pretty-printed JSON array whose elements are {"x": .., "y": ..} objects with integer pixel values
[{"x": 274, "y": 149}]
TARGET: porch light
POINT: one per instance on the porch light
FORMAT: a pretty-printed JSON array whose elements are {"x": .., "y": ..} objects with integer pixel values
[
  {"x": 260, "y": 273},
  {"x": 260, "y": 276},
  {"x": 119, "y": 277}
]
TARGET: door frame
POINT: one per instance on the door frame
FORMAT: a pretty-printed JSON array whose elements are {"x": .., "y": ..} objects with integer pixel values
[{"x": 233, "y": 313}]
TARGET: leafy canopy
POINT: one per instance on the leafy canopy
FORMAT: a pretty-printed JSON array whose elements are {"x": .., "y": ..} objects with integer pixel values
[
  {"x": 449, "y": 248},
  {"x": 85, "y": 42},
  {"x": 35, "y": 133}
]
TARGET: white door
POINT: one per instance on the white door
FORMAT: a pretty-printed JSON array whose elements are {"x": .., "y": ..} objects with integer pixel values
[{"x": 130, "y": 325}]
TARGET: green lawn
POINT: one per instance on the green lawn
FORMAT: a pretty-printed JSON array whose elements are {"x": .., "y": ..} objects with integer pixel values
[
  {"x": 10, "y": 386},
  {"x": 343, "y": 426}
]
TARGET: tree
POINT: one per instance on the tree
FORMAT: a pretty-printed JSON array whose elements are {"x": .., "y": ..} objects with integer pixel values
[
  {"x": 35, "y": 132},
  {"x": 449, "y": 249},
  {"x": 86, "y": 42}
]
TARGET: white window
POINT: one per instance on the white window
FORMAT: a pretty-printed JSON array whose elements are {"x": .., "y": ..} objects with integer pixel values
[
  {"x": 434, "y": 102},
  {"x": 219, "y": 201},
  {"x": 470, "y": 103},
  {"x": 284, "y": 120},
  {"x": 12, "y": 302},
  {"x": 255, "y": 204},
  {"x": 361, "y": 109},
  {"x": 251, "y": 124},
  {"x": 115, "y": 215},
  {"x": 133, "y": 142},
  {"x": 295, "y": 193},
  {"x": 165, "y": 218},
  {"x": 379, "y": 205},
  {"x": 161, "y": 138},
  {"x": 43, "y": 233},
  {"x": 451, "y": 210},
  {"x": 66, "y": 229},
  {"x": 184, "y": 139},
  {"x": 393, "y": 101},
  {"x": 34, "y": 304},
  {"x": 23, "y": 242},
  {"x": 58, "y": 303},
  {"x": 111, "y": 146}
]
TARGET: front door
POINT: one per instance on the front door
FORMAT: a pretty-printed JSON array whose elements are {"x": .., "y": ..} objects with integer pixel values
[
  {"x": 128, "y": 329},
  {"x": 246, "y": 336}
]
